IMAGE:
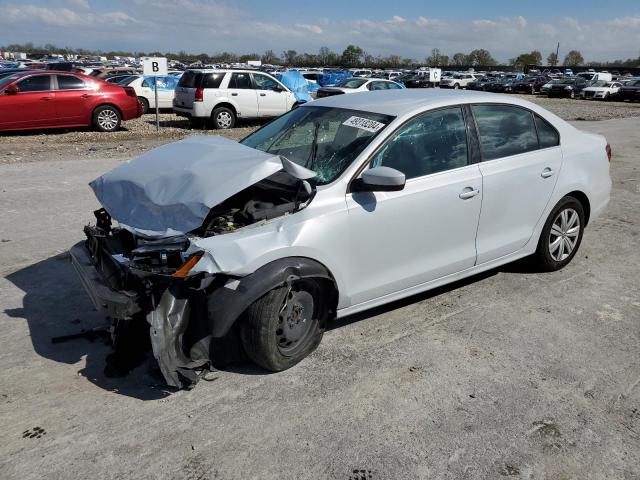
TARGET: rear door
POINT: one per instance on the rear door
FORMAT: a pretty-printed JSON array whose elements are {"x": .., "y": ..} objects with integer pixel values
[
  {"x": 32, "y": 106},
  {"x": 73, "y": 99},
  {"x": 521, "y": 159},
  {"x": 272, "y": 97},
  {"x": 243, "y": 94}
]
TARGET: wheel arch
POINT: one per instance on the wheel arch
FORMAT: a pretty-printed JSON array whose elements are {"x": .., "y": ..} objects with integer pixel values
[
  {"x": 227, "y": 303},
  {"x": 584, "y": 201},
  {"x": 225, "y": 104},
  {"x": 105, "y": 104}
]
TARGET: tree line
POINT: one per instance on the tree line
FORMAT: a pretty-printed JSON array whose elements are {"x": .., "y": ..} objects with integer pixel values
[{"x": 352, "y": 56}]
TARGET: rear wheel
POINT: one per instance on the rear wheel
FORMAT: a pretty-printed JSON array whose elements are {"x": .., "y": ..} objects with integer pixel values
[
  {"x": 561, "y": 235},
  {"x": 532, "y": 90},
  {"x": 572, "y": 94},
  {"x": 106, "y": 118},
  {"x": 456, "y": 86},
  {"x": 284, "y": 326},
  {"x": 223, "y": 118},
  {"x": 145, "y": 104}
]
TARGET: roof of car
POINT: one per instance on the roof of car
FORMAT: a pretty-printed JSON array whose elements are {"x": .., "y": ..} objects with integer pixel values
[{"x": 406, "y": 101}]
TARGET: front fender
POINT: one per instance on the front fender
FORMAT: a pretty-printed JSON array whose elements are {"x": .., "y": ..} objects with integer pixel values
[{"x": 228, "y": 302}]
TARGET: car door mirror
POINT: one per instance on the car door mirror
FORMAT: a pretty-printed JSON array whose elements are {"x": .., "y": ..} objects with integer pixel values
[
  {"x": 278, "y": 88},
  {"x": 379, "y": 179},
  {"x": 12, "y": 89}
]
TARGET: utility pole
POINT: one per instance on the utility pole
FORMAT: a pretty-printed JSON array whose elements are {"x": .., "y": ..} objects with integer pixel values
[{"x": 557, "y": 57}]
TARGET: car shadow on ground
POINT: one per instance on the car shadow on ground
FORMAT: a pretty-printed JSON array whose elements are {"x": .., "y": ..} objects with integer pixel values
[
  {"x": 55, "y": 305},
  {"x": 185, "y": 124},
  {"x": 54, "y": 131}
]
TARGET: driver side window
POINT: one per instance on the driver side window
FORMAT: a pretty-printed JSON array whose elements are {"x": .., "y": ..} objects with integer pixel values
[
  {"x": 430, "y": 143},
  {"x": 264, "y": 83}
]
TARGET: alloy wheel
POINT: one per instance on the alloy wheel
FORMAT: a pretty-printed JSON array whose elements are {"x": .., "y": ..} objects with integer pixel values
[
  {"x": 224, "y": 119},
  {"x": 564, "y": 234},
  {"x": 108, "y": 119}
]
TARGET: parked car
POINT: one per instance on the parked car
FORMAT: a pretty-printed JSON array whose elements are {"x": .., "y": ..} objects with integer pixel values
[
  {"x": 566, "y": 87},
  {"x": 358, "y": 84},
  {"x": 415, "y": 81},
  {"x": 223, "y": 96},
  {"x": 458, "y": 80},
  {"x": 496, "y": 84},
  {"x": 630, "y": 91},
  {"x": 106, "y": 72},
  {"x": 352, "y": 202},
  {"x": 531, "y": 84},
  {"x": 592, "y": 77},
  {"x": 145, "y": 90},
  {"x": 52, "y": 99},
  {"x": 601, "y": 90},
  {"x": 479, "y": 83}
]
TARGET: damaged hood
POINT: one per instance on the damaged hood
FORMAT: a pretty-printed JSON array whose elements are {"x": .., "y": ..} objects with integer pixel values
[{"x": 170, "y": 189}]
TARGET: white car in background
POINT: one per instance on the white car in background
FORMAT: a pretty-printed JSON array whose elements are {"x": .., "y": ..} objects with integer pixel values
[
  {"x": 223, "y": 96},
  {"x": 358, "y": 84},
  {"x": 144, "y": 87},
  {"x": 458, "y": 80},
  {"x": 601, "y": 89}
]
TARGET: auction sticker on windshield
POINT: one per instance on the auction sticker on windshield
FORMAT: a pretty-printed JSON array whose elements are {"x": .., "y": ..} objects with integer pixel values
[{"x": 363, "y": 124}]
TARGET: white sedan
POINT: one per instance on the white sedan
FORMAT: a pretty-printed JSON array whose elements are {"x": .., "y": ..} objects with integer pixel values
[
  {"x": 601, "y": 89},
  {"x": 145, "y": 90},
  {"x": 358, "y": 84},
  {"x": 338, "y": 206}
]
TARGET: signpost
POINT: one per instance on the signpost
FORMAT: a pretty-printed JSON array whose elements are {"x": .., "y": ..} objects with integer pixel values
[{"x": 155, "y": 67}]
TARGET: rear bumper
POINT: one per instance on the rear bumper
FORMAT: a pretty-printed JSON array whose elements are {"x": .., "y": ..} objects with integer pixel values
[{"x": 112, "y": 303}]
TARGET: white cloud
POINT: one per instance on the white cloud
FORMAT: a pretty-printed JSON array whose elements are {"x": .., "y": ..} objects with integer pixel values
[{"x": 214, "y": 26}]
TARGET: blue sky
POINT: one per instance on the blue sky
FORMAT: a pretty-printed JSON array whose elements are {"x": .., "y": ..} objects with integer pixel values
[{"x": 600, "y": 29}]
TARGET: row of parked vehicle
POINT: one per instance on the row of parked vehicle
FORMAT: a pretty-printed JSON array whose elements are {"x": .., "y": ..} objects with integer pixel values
[{"x": 48, "y": 99}]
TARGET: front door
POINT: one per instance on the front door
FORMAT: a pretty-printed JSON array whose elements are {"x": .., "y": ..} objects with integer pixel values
[
  {"x": 272, "y": 98},
  {"x": 399, "y": 240},
  {"x": 521, "y": 162},
  {"x": 32, "y": 106},
  {"x": 73, "y": 100}
]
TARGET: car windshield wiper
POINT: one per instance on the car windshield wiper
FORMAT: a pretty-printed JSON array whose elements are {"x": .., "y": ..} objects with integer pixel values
[{"x": 314, "y": 148}]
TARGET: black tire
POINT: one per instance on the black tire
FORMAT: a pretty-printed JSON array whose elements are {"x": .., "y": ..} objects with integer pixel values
[
  {"x": 223, "y": 118},
  {"x": 532, "y": 91},
  {"x": 145, "y": 104},
  {"x": 572, "y": 94},
  {"x": 456, "y": 86},
  {"x": 271, "y": 324},
  {"x": 543, "y": 259},
  {"x": 106, "y": 118}
]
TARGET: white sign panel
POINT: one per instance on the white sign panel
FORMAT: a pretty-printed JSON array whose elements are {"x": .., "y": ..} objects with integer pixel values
[
  {"x": 154, "y": 66},
  {"x": 363, "y": 124}
]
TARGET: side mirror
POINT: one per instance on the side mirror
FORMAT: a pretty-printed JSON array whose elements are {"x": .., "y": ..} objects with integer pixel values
[
  {"x": 379, "y": 179},
  {"x": 278, "y": 88},
  {"x": 12, "y": 89}
]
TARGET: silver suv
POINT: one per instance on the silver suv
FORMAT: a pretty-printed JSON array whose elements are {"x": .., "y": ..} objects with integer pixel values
[{"x": 223, "y": 96}]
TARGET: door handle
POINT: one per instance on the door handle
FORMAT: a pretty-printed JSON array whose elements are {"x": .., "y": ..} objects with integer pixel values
[
  {"x": 45, "y": 99},
  {"x": 234, "y": 94},
  {"x": 468, "y": 193},
  {"x": 546, "y": 173},
  {"x": 263, "y": 94},
  {"x": 86, "y": 95}
]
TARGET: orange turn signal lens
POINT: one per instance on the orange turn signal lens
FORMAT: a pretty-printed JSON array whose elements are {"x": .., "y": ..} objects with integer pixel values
[{"x": 184, "y": 270}]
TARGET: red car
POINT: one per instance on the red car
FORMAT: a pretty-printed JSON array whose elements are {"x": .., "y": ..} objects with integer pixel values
[{"x": 51, "y": 99}]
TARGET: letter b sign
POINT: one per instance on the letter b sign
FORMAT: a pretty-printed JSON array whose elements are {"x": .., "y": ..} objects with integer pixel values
[{"x": 154, "y": 66}]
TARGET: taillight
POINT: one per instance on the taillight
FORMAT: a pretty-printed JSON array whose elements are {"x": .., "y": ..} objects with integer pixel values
[
  {"x": 130, "y": 92},
  {"x": 608, "y": 149},
  {"x": 199, "y": 95}
]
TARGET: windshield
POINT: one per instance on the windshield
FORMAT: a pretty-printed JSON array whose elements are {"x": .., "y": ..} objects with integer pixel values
[
  {"x": 564, "y": 81},
  {"x": 8, "y": 79},
  {"x": 352, "y": 83},
  {"x": 600, "y": 83},
  {"x": 340, "y": 135}
]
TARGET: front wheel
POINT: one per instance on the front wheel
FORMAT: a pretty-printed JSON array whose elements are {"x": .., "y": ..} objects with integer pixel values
[
  {"x": 106, "y": 118},
  {"x": 284, "y": 326},
  {"x": 561, "y": 235},
  {"x": 456, "y": 86},
  {"x": 223, "y": 118}
]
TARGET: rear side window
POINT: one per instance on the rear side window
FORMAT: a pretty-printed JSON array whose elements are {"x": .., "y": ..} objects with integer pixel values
[
  {"x": 190, "y": 79},
  {"x": 504, "y": 130},
  {"x": 70, "y": 82},
  {"x": 212, "y": 80},
  {"x": 547, "y": 135},
  {"x": 36, "y": 83},
  {"x": 240, "y": 80}
]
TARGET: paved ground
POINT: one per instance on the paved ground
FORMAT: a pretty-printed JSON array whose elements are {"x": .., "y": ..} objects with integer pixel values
[{"x": 507, "y": 375}]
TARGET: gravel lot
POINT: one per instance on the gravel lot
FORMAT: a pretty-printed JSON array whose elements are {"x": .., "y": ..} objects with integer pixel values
[
  {"x": 139, "y": 135},
  {"x": 505, "y": 375}
]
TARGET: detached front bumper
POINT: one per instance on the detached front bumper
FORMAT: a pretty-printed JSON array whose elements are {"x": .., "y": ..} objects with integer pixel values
[{"x": 112, "y": 303}]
